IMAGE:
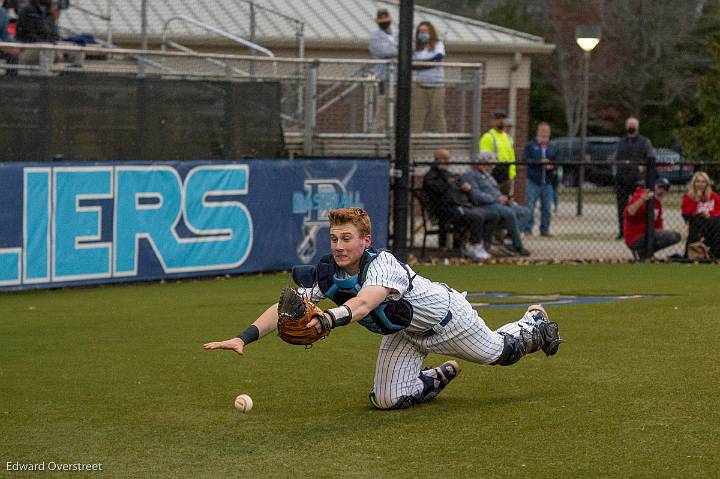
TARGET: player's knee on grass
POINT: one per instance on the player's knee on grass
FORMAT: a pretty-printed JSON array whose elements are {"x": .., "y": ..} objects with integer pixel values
[
  {"x": 387, "y": 401},
  {"x": 383, "y": 401},
  {"x": 431, "y": 384}
]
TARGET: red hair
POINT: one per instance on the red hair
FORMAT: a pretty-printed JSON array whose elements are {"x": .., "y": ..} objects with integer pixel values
[{"x": 358, "y": 217}]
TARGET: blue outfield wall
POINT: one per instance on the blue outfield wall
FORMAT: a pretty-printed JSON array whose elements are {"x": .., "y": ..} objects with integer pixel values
[{"x": 67, "y": 224}]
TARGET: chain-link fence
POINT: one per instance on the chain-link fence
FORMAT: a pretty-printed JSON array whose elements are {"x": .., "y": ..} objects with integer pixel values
[
  {"x": 566, "y": 223},
  {"x": 327, "y": 106},
  {"x": 336, "y": 107}
]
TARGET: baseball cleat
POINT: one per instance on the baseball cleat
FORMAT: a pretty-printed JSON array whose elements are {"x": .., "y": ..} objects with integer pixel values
[
  {"x": 538, "y": 307},
  {"x": 448, "y": 371},
  {"x": 435, "y": 383}
]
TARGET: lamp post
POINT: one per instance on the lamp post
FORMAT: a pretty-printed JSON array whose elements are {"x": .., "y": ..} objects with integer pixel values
[{"x": 587, "y": 38}]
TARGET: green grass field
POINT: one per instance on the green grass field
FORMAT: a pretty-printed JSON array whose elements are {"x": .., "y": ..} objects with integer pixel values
[{"x": 116, "y": 375}]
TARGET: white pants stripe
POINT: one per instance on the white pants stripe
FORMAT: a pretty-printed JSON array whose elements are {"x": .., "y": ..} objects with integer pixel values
[{"x": 466, "y": 336}]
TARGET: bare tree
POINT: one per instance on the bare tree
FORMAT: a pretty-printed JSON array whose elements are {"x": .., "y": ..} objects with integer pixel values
[
  {"x": 641, "y": 62},
  {"x": 648, "y": 61}
]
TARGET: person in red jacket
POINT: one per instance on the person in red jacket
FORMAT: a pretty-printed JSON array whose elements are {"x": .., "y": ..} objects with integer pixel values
[
  {"x": 634, "y": 217},
  {"x": 701, "y": 210}
]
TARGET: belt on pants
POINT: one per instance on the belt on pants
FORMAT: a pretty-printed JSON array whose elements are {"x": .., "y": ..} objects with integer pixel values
[{"x": 438, "y": 328}]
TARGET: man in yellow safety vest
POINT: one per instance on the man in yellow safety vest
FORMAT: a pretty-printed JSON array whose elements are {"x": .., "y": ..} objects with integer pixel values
[{"x": 499, "y": 144}]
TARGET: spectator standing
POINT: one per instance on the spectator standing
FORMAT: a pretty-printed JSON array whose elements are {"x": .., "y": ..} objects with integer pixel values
[
  {"x": 484, "y": 191},
  {"x": 429, "y": 92},
  {"x": 634, "y": 151},
  {"x": 36, "y": 24},
  {"x": 449, "y": 197},
  {"x": 9, "y": 54},
  {"x": 499, "y": 144},
  {"x": 635, "y": 215},
  {"x": 701, "y": 210},
  {"x": 540, "y": 156},
  {"x": 383, "y": 46}
]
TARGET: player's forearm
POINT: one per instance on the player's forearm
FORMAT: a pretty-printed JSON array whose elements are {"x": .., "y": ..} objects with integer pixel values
[
  {"x": 369, "y": 298},
  {"x": 358, "y": 307},
  {"x": 346, "y": 313},
  {"x": 355, "y": 309},
  {"x": 351, "y": 311},
  {"x": 264, "y": 324},
  {"x": 267, "y": 322}
]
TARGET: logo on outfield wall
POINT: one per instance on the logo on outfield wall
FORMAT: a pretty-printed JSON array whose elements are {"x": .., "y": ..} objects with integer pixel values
[
  {"x": 315, "y": 202},
  {"x": 86, "y": 222}
]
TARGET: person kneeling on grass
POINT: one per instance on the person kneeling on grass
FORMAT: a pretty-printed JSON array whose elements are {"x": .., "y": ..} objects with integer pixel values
[
  {"x": 416, "y": 317},
  {"x": 635, "y": 218}
]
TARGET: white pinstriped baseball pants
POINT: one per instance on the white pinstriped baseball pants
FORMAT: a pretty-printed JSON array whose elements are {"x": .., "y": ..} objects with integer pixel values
[{"x": 466, "y": 336}]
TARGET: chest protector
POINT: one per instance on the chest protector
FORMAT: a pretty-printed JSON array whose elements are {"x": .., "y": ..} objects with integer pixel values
[{"x": 389, "y": 317}]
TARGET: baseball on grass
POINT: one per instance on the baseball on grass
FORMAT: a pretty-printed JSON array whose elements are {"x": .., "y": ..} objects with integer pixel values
[{"x": 243, "y": 403}]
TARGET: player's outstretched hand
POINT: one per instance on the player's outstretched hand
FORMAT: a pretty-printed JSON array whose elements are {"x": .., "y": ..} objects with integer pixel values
[
  {"x": 316, "y": 322},
  {"x": 235, "y": 344}
]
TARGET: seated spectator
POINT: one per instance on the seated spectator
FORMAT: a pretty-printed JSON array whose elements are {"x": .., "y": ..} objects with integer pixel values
[
  {"x": 484, "y": 191},
  {"x": 9, "y": 54},
  {"x": 12, "y": 7},
  {"x": 635, "y": 215},
  {"x": 15, "y": 5},
  {"x": 701, "y": 211},
  {"x": 428, "y": 96},
  {"x": 451, "y": 203},
  {"x": 36, "y": 24}
]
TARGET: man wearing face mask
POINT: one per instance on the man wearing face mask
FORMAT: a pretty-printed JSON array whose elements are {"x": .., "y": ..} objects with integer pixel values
[
  {"x": 633, "y": 152},
  {"x": 498, "y": 144},
  {"x": 383, "y": 46}
]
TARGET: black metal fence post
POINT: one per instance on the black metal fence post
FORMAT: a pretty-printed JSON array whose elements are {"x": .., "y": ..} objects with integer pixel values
[
  {"x": 402, "y": 130},
  {"x": 650, "y": 176}
]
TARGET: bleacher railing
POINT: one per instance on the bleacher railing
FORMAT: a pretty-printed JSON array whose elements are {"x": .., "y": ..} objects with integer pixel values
[{"x": 327, "y": 104}]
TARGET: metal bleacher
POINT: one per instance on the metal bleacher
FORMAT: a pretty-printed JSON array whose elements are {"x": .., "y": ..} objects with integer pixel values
[{"x": 311, "y": 88}]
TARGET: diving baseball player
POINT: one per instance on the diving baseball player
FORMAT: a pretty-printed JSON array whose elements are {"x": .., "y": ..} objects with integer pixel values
[{"x": 415, "y": 316}]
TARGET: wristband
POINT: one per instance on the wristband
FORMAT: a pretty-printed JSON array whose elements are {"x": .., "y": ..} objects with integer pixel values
[
  {"x": 324, "y": 322},
  {"x": 341, "y": 316},
  {"x": 252, "y": 333}
]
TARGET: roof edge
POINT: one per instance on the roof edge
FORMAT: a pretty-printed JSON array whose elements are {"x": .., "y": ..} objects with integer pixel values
[
  {"x": 473, "y": 21},
  {"x": 270, "y": 43}
]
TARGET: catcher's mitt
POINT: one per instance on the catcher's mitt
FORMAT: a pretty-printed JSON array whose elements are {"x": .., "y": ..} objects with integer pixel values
[{"x": 294, "y": 313}]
